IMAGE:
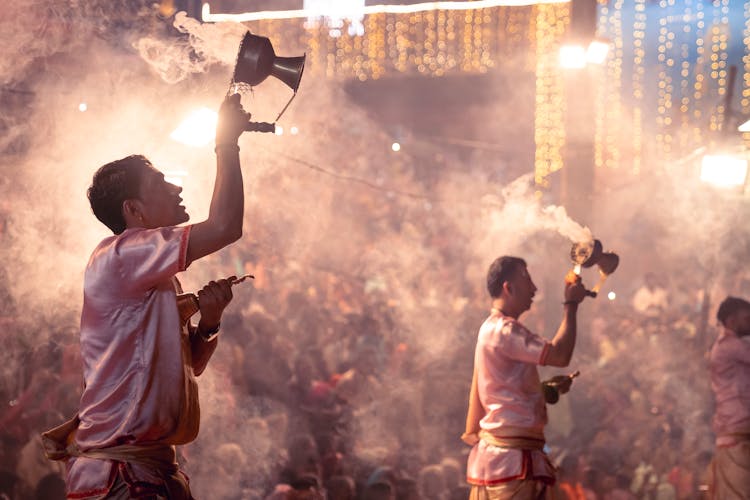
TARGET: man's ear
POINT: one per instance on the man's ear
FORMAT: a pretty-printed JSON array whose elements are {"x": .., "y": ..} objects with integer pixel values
[
  {"x": 131, "y": 210},
  {"x": 508, "y": 287},
  {"x": 730, "y": 323}
]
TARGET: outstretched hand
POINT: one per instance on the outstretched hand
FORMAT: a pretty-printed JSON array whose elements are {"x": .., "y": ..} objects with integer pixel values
[
  {"x": 213, "y": 298},
  {"x": 232, "y": 120}
]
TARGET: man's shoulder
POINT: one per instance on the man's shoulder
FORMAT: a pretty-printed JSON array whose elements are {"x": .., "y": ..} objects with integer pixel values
[
  {"x": 137, "y": 236},
  {"x": 729, "y": 345},
  {"x": 503, "y": 326}
]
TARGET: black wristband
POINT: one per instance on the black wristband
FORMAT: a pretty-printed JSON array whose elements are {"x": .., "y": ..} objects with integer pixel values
[{"x": 210, "y": 334}]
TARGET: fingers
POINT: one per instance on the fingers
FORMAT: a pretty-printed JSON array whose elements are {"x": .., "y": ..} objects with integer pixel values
[
  {"x": 232, "y": 120},
  {"x": 218, "y": 291}
]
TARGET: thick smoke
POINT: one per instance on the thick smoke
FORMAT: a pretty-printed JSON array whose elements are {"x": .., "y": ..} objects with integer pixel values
[{"x": 331, "y": 212}]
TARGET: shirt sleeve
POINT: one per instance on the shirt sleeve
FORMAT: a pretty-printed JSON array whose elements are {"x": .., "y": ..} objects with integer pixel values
[
  {"x": 740, "y": 351},
  {"x": 515, "y": 341},
  {"x": 146, "y": 257}
]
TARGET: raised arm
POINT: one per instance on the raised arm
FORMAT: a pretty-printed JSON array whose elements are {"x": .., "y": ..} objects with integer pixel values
[
  {"x": 561, "y": 349},
  {"x": 224, "y": 223}
]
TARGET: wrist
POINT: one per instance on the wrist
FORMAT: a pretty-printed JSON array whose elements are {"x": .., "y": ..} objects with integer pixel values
[
  {"x": 226, "y": 146},
  {"x": 571, "y": 302},
  {"x": 208, "y": 334}
]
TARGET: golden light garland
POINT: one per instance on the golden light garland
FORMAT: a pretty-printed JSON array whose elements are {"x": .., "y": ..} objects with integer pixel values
[
  {"x": 428, "y": 42},
  {"x": 638, "y": 78},
  {"x": 699, "y": 83},
  {"x": 650, "y": 105},
  {"x": 609, "y": 114},
  {"x": 549, "y": 125}
]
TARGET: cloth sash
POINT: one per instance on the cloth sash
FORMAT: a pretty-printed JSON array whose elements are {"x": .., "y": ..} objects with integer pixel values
[
  {"x": 59, "y": 444},
  {"x": 515, "y": 438}
]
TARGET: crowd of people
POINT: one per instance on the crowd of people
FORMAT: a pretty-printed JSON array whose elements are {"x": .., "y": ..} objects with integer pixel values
[{"x": 318, "y": 391}]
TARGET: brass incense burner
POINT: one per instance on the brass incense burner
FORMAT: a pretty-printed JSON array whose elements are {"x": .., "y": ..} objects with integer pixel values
[{"x": 590, "y": 253}]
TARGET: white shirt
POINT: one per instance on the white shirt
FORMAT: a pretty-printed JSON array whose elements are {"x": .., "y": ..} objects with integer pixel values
[{"x": 139, "y": 382}]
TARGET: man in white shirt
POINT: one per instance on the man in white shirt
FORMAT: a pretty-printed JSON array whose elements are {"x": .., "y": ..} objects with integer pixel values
[
  {"x": 140, "y": 359},
  {"x": 507, "y": 413}
]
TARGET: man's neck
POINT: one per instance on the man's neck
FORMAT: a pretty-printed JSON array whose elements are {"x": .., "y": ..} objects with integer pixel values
[{"x": 502, "y": 307}]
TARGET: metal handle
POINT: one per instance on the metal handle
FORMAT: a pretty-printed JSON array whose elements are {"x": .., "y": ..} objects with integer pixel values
[{"x": 260, "y": 127}]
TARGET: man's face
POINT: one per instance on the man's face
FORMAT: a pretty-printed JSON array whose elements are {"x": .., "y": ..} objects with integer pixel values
[
  {"x": 522, "y": 289},
  {"x": 160, "y": 201},
  {"x": 740, "y": 322}
]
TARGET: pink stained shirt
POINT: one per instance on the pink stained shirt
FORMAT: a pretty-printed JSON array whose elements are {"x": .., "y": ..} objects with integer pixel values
[
  {"x": 506, "y": 359},
  {"x": 139, "y": 382},
  {"x": 730, "y": 381}
]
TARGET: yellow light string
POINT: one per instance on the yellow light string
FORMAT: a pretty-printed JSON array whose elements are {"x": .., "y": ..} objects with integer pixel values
[
  {"x": 639, "y": 71},
  {"x": 661, "y": 108},
  {"x": 476, "y": 54},
  {"x": 488, "y": 49},
  {"x": 549, "y": 130},
  {"x": 670, "y": 146},
  {"x": 723, "y": 54},
  {"x": 609, "y": 109},
  {"x": 599, "y": 104},
  {"x": 714, "y": 77},
  {"x": 442, "y": 43},
  {"x": 465, "y": 40},
  {"x": 685, "y": 126},
  {"x": 689, "y": 93},
  {"x": 375, "y": 46},
  {"x": 700, "y": 71},
  {"x": 431, "y": 48}
]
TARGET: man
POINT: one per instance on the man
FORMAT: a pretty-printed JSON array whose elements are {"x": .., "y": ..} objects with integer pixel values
[
  {"x": 140, "y": 358},
  {"x": 507, "y": 413},
  {"x": 651, "y": 299},
  {"x": 729, "y": 472}
]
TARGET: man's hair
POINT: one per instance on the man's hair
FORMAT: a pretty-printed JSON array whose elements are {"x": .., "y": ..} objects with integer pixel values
[
  {"x": 729, "y": 306},
  {"x": 501, "y": 271},
  {"x": 114, "y": 183}
]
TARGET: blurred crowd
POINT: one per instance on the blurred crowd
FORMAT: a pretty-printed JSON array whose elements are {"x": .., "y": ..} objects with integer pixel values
[{"x": 317, "y": 391}]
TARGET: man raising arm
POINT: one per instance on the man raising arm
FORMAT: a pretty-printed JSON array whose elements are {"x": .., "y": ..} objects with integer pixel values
[{"x": 140, "y": 358}]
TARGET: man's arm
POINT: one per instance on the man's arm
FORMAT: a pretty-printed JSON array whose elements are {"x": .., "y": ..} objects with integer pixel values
[
  {"x": 224, "y": 223},
  {"x": 561, "y": 348},
  {"x": 212, "y": 300}
]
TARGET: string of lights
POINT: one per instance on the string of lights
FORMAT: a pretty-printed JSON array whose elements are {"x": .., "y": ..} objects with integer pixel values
[
  {"x": 549, "y": 130},
  {"x": 650, "y": 105},
  {"x": 637, "y": 84}
]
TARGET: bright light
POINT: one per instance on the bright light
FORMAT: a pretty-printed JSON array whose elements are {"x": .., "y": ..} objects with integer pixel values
[
  {"x": 198, "y": 129},
  {"x": 278, "y": 130},
  {"x": 597, "y": 52},
  {"x": 724, "y": 171},
  {"x": 611, "y": 295},
  {"x": 82, "y": 107},
  {"x": 572, "y": 56},
  {"x": 294, "y": 130},
  {"x": 396, "y": 146},
  {"x": 745, "y": 127}
]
